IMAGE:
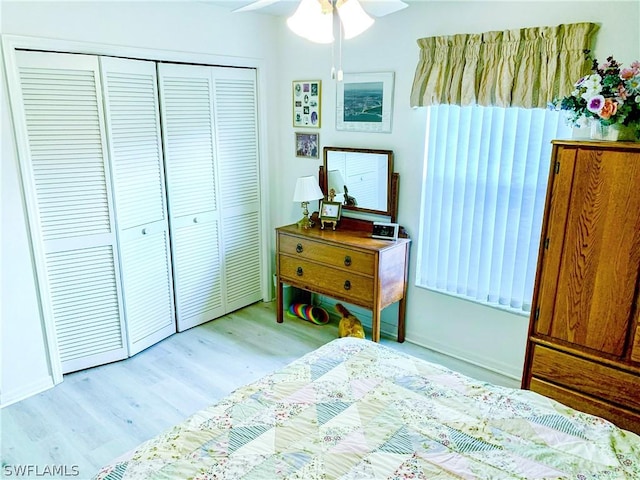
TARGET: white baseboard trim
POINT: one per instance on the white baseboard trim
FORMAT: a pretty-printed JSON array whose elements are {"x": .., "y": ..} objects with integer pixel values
[
  {"x": 26, "y": 391},
  {"x": 506, "y": 374},
  {"x": 472, "y": 365}
]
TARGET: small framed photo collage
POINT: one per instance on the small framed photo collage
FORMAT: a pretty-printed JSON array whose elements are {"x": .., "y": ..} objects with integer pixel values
[{"x": 307, "y": 96}]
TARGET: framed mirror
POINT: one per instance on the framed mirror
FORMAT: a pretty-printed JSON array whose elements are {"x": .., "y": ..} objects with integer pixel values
[{"x": 360, "y": 179}]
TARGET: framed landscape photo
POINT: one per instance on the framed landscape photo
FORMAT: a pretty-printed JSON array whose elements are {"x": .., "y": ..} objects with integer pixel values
[
  {"x": 306, "y": 103},
  {"x": 364, "y": 102},
  {"x": 307, "y": 145}
]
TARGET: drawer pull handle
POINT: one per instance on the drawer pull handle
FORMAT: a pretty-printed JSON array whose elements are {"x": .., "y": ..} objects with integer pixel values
[
  {"x": 299, "y": 271},
  {"x": 347, "y": 285},
  {"x": 347, "y": 261},
  {"x": 299, "y": 248}
]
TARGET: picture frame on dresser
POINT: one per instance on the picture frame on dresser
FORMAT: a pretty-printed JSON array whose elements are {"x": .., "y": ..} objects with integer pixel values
[{"x": 329, "y": 213}]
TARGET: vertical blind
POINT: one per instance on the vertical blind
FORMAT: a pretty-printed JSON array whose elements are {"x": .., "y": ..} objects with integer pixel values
[{"x": 483, "y": 200}]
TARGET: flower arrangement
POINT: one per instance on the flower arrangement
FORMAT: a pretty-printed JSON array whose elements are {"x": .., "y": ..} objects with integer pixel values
[{"x": 609, "y": 95}]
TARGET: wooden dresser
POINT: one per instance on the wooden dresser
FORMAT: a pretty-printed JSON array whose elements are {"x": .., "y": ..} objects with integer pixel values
[
  {"x": 344, "y": 264},
  {"x": 584, "y": 335}
]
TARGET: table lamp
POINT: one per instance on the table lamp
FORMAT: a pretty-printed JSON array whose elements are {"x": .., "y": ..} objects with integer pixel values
[{"x": 307, "y": 190}]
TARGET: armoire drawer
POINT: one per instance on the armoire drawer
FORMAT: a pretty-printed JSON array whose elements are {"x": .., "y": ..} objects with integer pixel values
[
  {"x": 586, "y": 376},
  {"x": 622, "y": 417},
  {"x": 332, "y": 255},
  {"x": 332, "y": 281}
]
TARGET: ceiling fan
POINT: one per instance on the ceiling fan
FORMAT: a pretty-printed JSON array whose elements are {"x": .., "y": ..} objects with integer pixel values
[{"x": 377, "y": 8}]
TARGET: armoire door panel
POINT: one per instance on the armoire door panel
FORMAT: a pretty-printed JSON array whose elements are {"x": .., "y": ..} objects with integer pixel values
[
  {"x": 67, "y": 171},
  {"x": 552, "y": 255},
  {"x": 601, "y": 253},
  {"x": 135, "y": 145}
]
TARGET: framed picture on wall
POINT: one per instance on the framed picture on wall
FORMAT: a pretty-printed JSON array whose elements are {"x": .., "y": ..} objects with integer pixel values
[
  {"x": 307, "y": 95},
  {"x": 307, "y": 145},
  {"x": 364, "y": 102}
]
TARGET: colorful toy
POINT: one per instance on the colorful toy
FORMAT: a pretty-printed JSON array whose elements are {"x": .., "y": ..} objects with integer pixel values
[{"x": 311, "y": 313}]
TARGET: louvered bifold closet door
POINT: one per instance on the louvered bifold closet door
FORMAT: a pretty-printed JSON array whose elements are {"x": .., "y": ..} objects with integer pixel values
[
  {"x": 186, "y": 101},
  {"x": 235, "y": 106},
  {"x": 135, "y": 148},
  {"x": 67, "y": 173}
]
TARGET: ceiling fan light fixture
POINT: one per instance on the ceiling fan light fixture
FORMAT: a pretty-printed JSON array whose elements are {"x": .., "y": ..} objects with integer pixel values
[
  {"x": 313, "y": 20},
  {"x": 353, "y": 17}
]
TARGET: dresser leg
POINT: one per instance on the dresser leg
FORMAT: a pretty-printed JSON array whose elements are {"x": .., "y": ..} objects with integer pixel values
[
  {"x": 402, "y": 307},
  {"x": 279, "y": 310},
  {"x": 375, "y": 325}
]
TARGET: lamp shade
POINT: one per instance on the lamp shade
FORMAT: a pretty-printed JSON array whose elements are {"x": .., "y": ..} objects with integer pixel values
[
  {"x": 353, "y": 17},
  {"x": 335, "y": 181},
  {"x": 307, "y": 189},
  {"x": 313, "y": 20}
]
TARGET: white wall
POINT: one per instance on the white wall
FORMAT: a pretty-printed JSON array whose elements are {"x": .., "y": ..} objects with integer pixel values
[
  {"x": 193, "y": 29},
  {"x": 482, "y": 335}
]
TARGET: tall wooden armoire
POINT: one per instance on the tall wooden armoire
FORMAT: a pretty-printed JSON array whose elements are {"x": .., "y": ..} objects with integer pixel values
[{"x": 583, "y": 347}]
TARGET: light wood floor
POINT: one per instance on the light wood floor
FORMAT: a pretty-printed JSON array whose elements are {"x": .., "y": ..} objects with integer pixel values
[{"x": 98, "y": 414}]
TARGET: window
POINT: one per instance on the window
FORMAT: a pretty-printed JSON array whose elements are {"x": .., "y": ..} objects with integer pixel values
[{"x": 483, "y": 199}]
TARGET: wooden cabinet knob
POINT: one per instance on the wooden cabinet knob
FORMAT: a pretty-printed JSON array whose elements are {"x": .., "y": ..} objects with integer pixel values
[
  {"x": 299, "y": 271},
  {"x": 347, "y": 285},
  {"x": 299, "y": 248},
  {"x": 347, "y": 261}
]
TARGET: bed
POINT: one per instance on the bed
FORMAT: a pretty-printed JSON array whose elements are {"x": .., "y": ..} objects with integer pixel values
[{"x": 354, "y": 409}]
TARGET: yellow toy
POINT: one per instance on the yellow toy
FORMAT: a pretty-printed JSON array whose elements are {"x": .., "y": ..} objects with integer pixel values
[{"x": 349, "y": 325}]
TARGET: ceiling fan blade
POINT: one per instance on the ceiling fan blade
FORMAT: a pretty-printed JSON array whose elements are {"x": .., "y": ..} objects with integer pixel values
[
  {"x": 380, "y": 8},
  {"x": 256, "y": 5}
]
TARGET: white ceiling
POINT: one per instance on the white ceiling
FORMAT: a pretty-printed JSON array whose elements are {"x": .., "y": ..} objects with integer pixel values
[{"x": 377, "y": 8}]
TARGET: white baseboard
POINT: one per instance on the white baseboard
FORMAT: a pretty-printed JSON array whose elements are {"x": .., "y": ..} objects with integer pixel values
[
  {"x": 473, "y": 365},
  {"x": 25, "y": 391},
  {"x": 468, "y": 363}
]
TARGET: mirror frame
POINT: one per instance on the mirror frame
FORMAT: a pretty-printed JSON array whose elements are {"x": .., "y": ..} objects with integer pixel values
[{"x": 391, "y": 201}]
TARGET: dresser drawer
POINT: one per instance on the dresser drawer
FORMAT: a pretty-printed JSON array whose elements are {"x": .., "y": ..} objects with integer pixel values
[
  {"x": 331, "y": 281},
  {"x": 586, "y": 376},
  {"x": 332, "y": 255}
]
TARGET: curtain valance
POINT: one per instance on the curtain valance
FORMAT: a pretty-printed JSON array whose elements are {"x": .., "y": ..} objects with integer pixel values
[{"x": 512, "y": 68}]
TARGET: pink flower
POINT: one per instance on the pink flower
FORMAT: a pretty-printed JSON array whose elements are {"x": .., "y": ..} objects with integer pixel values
[
  {"x": 609, "y": 108},
  {"x": 627, "y": 73},
  {"x": 635, "y": 65},
  {"x": 622, "y": 93},
  {"x": 595, "y": 103}
]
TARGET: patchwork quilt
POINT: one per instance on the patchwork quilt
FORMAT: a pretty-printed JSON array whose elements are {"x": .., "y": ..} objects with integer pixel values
[{"x": 354, "y": 409}]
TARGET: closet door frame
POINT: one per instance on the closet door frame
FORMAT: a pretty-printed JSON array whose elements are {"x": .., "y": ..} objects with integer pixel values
[{"x": 12, "y": 43}]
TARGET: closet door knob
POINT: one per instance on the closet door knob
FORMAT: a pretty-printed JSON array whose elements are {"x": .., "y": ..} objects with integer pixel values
[
  {"x": 347, "y": 285},
  {"x": 144, "y": 231},
  {"x": 195, "y": 219},
  {"x": 347, "y": 261},
  {"x": 299, "y": 248},
  {"x": 299, "y": 271}
]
